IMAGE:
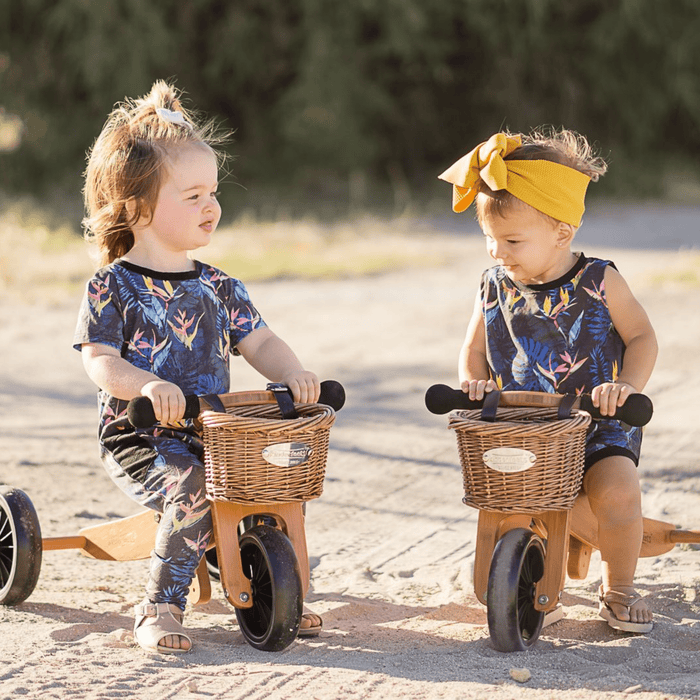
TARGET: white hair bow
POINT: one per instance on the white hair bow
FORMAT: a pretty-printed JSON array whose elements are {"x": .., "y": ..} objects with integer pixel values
[{"x": 170, "y": 116}]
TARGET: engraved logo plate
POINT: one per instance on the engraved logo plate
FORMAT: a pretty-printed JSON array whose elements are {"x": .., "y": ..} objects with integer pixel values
[
  {"x": 287, "y": 454},
  {"x": 509, "y": 459}
]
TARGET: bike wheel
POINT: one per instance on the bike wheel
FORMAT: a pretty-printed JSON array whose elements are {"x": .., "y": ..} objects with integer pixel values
[
  {"x": 20, "y": 547},
  {"x": 213, "y": 564},
  {"x": 211, "y": 556},
  {"x": 516, "y": 566},
  {"x": 269, "y": 561}
]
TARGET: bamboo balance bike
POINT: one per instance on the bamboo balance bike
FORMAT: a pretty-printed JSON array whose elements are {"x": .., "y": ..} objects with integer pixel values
[
  {"x": 522, "y": 459},
  {"x": 265, "y": 456}
]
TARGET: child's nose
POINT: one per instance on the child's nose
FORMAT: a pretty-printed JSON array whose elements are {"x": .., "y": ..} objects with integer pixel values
[
  {"x": 496, "y": 251},
  {"x": 212, "y": 205}
]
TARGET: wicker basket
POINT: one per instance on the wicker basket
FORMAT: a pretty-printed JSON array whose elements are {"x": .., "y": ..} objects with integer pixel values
[
  {"x": 253, "y": 455},
  {"x": 526, "y": 461}
]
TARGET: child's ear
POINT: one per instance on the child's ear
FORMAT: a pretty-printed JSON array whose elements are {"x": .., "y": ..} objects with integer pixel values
[
  {"x": 136, "y": 211},
  {"x": 130, "y": 206},
  {"x": 565, "y": 234}
]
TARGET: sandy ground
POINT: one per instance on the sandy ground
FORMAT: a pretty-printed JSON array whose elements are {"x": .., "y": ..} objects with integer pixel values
[{"x": 391, "y": 544}]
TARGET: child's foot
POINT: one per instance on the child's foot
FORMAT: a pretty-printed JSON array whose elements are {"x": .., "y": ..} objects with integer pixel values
[
  {"x": 625, "y": 610},
  {"x": 158, "y": 628},
  {"x": 311, "y": 624}
]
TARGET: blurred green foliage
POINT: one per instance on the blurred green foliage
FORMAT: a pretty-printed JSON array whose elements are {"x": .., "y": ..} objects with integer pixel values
[{"x": 358, "y": 101}]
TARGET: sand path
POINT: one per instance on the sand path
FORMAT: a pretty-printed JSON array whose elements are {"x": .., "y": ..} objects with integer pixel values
[{"x": 391, "y": 544}]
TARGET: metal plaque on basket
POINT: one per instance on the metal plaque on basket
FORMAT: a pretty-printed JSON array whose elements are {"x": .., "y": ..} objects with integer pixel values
[
  {"x": 287, "y": 454},
  {"x": 509, "y": 460}
]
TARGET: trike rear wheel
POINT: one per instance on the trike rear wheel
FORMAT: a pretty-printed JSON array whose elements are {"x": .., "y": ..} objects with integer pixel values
[
  {"x": 20, "y": 547},
  {"x": 516, "y": 567},
  {"x": 212, "y": 560},
  {"x": 269, "y": 561}
]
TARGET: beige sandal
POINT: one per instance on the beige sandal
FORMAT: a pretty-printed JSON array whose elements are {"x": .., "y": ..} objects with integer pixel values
[
  {"x": 313, "y": 629},
  {"x": 154, "y": 622},
  {"x": 617, "y": 598}
]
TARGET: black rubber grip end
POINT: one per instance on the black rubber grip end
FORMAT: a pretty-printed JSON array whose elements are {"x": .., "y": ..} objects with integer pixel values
[
  {"x": 441, "y": 398},
  {"x": 140, "y": 413},
  {"x": 332, "y": 394},
  {"x": 636, "y": 411}
]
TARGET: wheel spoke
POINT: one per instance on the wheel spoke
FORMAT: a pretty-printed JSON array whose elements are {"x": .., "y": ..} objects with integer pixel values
[
  {"x": 264, "y": 610},
  {"x": 260, "y": 614},
  {"x": 5, "y": 531},
  {"x": 4, "y": 573},
  {"x": 6, "y": 549},
  {"x": 260, "y": 567}
]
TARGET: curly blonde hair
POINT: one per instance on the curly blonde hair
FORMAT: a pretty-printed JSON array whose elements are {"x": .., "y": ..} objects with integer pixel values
[
  {"x": 561, "y": 146},
  {"x": 125, "y": 165}
]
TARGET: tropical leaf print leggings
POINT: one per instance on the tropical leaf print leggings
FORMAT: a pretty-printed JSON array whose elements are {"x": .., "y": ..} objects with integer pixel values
[{"x": 174, "y": 485}]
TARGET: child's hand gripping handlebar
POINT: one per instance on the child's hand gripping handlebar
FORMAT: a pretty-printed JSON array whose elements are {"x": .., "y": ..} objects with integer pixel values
[
  {"x": 140, "y": 413},
  {"x": 636, "y": 411}
]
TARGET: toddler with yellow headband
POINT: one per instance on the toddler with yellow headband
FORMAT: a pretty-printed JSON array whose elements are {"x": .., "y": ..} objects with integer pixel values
[{"x": 547, "y": 318}]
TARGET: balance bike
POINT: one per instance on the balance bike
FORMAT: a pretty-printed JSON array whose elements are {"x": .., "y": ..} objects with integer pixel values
[
  {"x": 522, "y": 458},
  {"x": 265, "y": 456}
]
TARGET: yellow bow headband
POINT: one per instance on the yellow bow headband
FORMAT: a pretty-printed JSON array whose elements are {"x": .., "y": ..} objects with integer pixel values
[{"x": 552, "y": 188}]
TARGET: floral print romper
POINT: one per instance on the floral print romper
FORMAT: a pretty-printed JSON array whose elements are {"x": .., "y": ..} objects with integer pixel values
[
  {"x": 558, "y": 337},
  {"x": 181, "y": 327}
]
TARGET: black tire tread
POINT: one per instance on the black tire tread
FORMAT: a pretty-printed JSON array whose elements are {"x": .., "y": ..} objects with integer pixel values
[
  {"x": 518, "y": 558},
  {"x": 20, "y": 547},
  {"x": 287, "y": 604}
]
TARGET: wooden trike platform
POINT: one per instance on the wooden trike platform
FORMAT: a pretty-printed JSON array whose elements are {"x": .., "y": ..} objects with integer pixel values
[{"x": 132, "y": 538}]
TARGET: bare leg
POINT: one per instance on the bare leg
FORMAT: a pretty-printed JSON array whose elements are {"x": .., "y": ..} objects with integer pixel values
[{"x": 612, "y": 486}]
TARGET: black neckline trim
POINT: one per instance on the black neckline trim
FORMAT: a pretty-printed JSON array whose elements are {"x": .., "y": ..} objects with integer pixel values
[
  {"x": 555, "y": 284},
  {"x": 155, "y": 274}
]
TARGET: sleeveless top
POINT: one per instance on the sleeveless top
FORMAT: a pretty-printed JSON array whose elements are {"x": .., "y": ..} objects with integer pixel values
[{"x": 556, "y": 337}]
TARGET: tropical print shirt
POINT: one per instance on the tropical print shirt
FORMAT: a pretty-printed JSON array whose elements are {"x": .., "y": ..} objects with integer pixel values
[
  {"x": 559, "y": 338},
  {"x": 179, "y": 326},
  {"x": 556, "y": 337}
]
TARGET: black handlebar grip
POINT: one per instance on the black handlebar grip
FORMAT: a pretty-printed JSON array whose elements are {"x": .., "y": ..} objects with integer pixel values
[
  {"x": 332, "y": 394},
  {"x": 441, "y": 398},
  {"x": 636, "y": 411},
  {"x": 140, "y": 412}
]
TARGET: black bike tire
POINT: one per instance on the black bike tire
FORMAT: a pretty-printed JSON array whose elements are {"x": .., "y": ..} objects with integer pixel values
[
  {"x": 516, "y": 566},
  {"x": 270, "y": 562},
  {"x": 20, "y": 547}
]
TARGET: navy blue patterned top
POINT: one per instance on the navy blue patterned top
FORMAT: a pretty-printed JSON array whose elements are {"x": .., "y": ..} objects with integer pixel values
[
  {"x": 179, "y": 326},
  {"x": 557, "y": 337}
]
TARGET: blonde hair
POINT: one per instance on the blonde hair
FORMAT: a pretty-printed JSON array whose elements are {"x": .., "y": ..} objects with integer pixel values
[
  {"x": 125, "y": 165},
  {"x": 564, "y": 146}
]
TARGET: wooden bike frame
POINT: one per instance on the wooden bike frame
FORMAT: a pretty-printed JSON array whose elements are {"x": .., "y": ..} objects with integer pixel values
[
  {"x": 572, "y": 537},
  {"x": 132, "y": 538}
]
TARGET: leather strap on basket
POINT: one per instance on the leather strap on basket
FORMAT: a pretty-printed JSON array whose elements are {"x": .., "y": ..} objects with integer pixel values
[
  {"x": 565, "y": 406},
  {"x": 284, "y": 399},
  {"x": 215, "y": 403},
  {"x": 488, "y": 410}
]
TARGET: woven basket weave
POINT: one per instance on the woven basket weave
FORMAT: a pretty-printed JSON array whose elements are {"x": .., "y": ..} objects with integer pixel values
[
  {"x": 234, "y": 442},
  {"x": 551, "y": 482}
]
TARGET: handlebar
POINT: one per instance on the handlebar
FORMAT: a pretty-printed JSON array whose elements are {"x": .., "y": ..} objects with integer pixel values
[
  {"x": 140, "y": 412},
  {"x": 636, "y": 411}
]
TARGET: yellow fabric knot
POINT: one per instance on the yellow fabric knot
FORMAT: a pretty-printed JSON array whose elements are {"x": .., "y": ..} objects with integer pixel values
[{"x": 552, "y": 188}]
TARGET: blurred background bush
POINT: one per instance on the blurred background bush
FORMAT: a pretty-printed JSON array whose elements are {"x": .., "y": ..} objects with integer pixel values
[{"x": 355, "y": 105}]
